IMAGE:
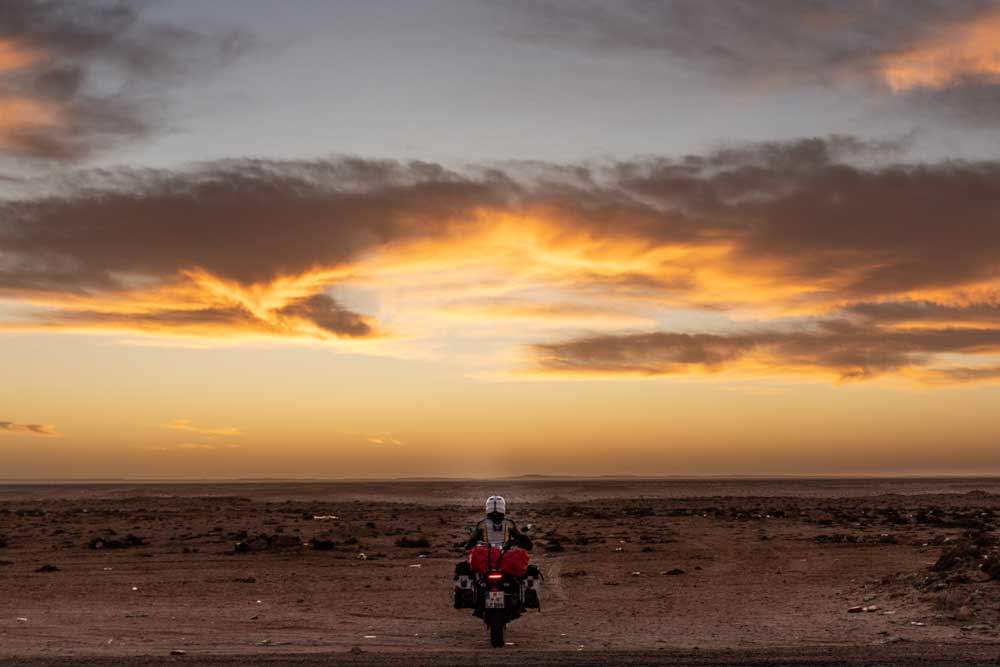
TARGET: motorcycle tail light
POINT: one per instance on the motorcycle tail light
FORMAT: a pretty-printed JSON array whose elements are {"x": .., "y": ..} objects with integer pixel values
[{"x": 493, "y": 576}]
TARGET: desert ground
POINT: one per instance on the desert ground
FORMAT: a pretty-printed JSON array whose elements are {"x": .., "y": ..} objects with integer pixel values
[{"x": 712, "y": 571}]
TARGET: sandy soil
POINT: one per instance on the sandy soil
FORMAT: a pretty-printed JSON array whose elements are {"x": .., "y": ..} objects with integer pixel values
[{"x": 768, "y": 571}]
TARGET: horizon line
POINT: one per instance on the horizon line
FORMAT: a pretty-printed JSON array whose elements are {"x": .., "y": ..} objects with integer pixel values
[{"x": 524, "y": 478}]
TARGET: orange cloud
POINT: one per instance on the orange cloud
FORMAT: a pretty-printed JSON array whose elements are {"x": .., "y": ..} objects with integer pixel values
[
  {"x": 759, "y": 234},
  {"x": 958, "y": 55},
  {"x": 200, "y": 304},
  {"x": 19, "y": 115},
  {"x": 498, "y": 255},
  {"x": 521, "y": 312},
  {"x": 27, "y": 429},
  {"x": 15, "y": 56}
]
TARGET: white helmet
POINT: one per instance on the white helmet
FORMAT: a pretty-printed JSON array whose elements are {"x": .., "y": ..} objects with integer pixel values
[{"x": 496, "y": 504}]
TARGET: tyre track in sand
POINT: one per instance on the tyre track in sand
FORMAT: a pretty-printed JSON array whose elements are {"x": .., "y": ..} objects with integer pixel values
[{"x": 553, "y": 591}]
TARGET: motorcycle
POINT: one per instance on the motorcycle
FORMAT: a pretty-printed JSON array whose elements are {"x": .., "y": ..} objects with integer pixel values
[{"x": 494, "y": 590}]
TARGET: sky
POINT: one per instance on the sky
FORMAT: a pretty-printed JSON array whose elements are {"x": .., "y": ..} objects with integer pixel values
[{"x": 490, "y": 237}]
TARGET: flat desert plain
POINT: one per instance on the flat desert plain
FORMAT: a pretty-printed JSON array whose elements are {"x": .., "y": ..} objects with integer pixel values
[{"x": 710, "y": 571}]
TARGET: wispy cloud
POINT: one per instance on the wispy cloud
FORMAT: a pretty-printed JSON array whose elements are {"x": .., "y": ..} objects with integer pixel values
[
  {"x": 929, "y": 54},
  {"x": 383, "y": 439},
  {"x": 206, "y": 446},
  {"x": 27, "y": 429},
  {"x": 78, "y": 76},
  {"x": 836, "y": 347},
  {"x": 186, "y": 425}
]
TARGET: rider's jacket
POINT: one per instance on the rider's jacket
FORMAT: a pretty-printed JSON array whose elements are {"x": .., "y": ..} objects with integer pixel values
[{"x": 504, "y": 533}]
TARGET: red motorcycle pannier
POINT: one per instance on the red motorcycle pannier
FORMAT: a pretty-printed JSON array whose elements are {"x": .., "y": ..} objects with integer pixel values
[
  {"x": 514, "y": 562},
  {"x": 482, "y": 557}
]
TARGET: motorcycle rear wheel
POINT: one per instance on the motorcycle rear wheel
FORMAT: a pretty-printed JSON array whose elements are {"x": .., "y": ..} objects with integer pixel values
[{"x": 496, "y": 633}]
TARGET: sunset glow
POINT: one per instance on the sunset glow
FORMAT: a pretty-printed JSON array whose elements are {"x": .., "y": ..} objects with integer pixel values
[
  {"x": 677, "y": 238},
  {"x": 969, "y": 52}
]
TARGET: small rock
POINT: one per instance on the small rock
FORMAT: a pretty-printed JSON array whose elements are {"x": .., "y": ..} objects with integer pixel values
[
  {"x": 870, "y": 608},
  {"x": 264, "y": 642},
  {"x": 178, "y": 651},
  {"x": 22, "y": 620},
  {"x": 963, "y": 614},
  {"x": 356, "y": 649},
  {"x": 637, "y": 574},
  {"x": 47, "y": 568},
  {"x": 856, "y": 609},
  {"x": 108, "y": 543},
  {"x": 675, "y": 571}
]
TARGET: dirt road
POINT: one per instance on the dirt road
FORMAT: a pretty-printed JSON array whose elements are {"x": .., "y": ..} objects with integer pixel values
[{"x": 636, "y": 573}]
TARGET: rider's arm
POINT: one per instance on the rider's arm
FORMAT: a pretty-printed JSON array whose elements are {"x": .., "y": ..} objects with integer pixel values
[
  {"x": 473, "y": 537},
  {"x": 519, "y": 539}
]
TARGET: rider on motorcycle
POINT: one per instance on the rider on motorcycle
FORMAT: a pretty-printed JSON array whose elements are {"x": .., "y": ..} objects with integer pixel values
[{"x": 496, "y": 530}]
